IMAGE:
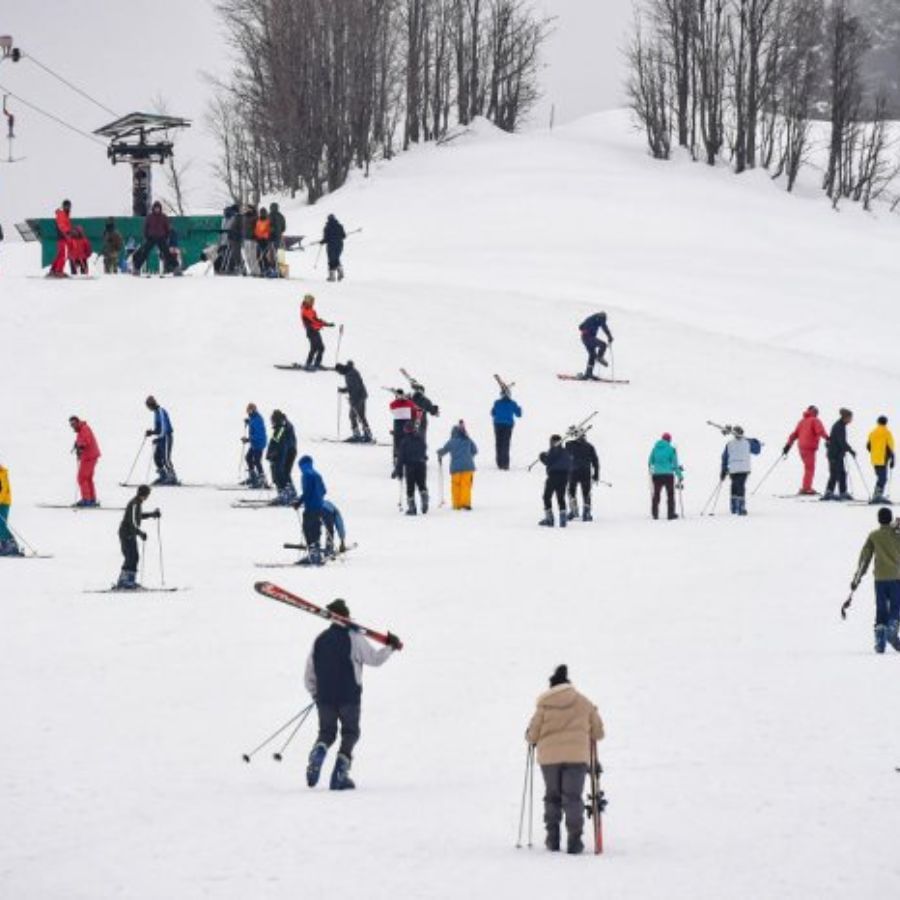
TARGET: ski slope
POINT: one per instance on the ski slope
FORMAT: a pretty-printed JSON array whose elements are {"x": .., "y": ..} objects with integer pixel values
[{"x": 751, "y": 745}]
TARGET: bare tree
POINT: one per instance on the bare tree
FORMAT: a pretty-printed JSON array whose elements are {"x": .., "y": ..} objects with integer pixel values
[{"x": 647, "y": 89}]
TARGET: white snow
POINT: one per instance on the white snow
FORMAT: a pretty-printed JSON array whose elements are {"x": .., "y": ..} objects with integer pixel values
[{"x": 751, "y": 734}]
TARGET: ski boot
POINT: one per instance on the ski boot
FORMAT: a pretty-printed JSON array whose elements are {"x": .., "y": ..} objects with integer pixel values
[
  {"x": 9, "y": 547},
  {"x": 880, "y": 638},
  {"x": 329, "y": 549},
  {"x": 127, "y": 581},
  {"x": 845, "y": 496},
  {"x": 548, "y": 518},
  {"x": 674, "y": 515},
  {"x": 353, "y": 439},
  {"x": 313, "y": 556},
  {"x": 367, "y": 437},
  {"x": 411, "y": 506},
  {"x": 574, "y": 844},
  {"x": 424, "y": 498},
  {"x": 828, "y": 495},
  {"x": 340, "y": 777},
  {"x": 588, "y": 374},
  {"x": 586, "y": 515},
  {"x": 551, "y": 842},
  {"x": 602, "y": 362},
  {"x": 741, "y": 507},
  {"x": 892, "y": 637},
  {"x": 332, "y": 275},
  {"x": 877, "y": 498},
  {"x": 563, "y": 518},
  {"x": 314, "y": 766},
  {"x": 573, "y": 510}
]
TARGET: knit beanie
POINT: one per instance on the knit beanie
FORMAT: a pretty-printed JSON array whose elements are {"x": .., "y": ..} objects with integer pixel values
[
  {"x": 340, "y": 607},
  {"x": 560, "y": 676}
]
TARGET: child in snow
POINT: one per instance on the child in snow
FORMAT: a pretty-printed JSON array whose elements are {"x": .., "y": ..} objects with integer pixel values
[
  {"x": 80, "y": 251},
  {"x": 462, "y": 450},
  {"x": 883, "y": 545}
]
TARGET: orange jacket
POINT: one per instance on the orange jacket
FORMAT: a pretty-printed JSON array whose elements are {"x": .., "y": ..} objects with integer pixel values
[
  {"x": 263, "y": 229},
  {"x": 310, "y": 319},
  {"x": 63, "y": 224}
]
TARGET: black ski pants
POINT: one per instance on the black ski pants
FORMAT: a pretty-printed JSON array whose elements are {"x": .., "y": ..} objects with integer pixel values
[
  {"x": 130, "y": 553},
  {"x": 837, "y": 475},
  {"x": 347, "y": 714},
  {"x": 881, "y": 474},
  {"x": 660, "y": 482},
  {"x": 739, "y": 485},
  {"x": 358, "y": 415},
  {"x": 281, "y": 470},
  {"x": 334, "y": 252},
  {"x": 564, "y": 783},
  {"x": 595, "y": 349},
  {"x": 312, "y": 526},
  {"x": 555, "y": 485},
  {"x": 316, "y": 348},
  {"x": 162, "y": 454},
  {"x": 165, "y": 254},
  {"x": 415, "y": 478},
  {"x": 580, "y": 478},
  {"x": 254, "y": 462},
  {"x": 502, "y": 439}
]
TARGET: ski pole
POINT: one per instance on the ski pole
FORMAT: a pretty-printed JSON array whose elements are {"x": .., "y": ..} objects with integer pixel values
[
  {"x": 845, "y": 606},
  {"x": 531, "y": 800},
  {"x": 162, "y": 570},
  {"x": 612, "y": 363},
  {"x": 441, "y": 480},
  {"x": 248, "y": 756},
  {"x": 149, "y": 466},
  {"x": 340, "y": 399},
  {"x": 769, "y": 471},
  {"x": 337, "y": 352},
  {"x": 318, "y": 254},
  {"x": 277, "y": 756},
  {"x": 136, "y": 458},
  {"x": 680, "y": 489},
  {"x": 529, "y": 756},
  {"x": 713, "y": 499},
  {"x": 240, "y": 468},
  {"x": 18, "y": 535},
  {"x": 143, "y": 560},
  {"x": 862, "y": 478}
]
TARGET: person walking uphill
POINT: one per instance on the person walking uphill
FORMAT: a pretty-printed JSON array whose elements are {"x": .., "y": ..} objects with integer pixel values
[
  {"x": 334, "y": 680},
  {"x": 594, "y": 346},
  {"x": 808, "y": 433},
  {"x": 664, "y": 470},
  {"x": 883, "y": 545},
  {"x": 558, "y": 463},
  {"x": 129, "y": 532},
  {"x": 313, "y": 326},
  {"x": 8, "y": 545},
  {"x": 504, "y": 413},
  {"x": 585, "y": 469},
  {"x": 163, "y": 439},
  {"x": 333, "y": 238},
  {"x": 881, "y": 454},
  {"x": 563, "y": 728},
  {"x": 256, "y": 439},
  {"x": 462, "y": 450},
  {"x": 412, "y": 464},
  {"x": 355, "y": 389},
  {"x": 312, "y": 499},
  {"x": 87, "y": 451},
  {"x": 838, "y": 448}
]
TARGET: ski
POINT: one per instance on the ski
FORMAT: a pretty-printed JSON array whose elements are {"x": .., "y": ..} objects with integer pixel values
[
  {"x": 503, "y": 385},
  {"x": 565, "y": 377},
  {"x": 326, "y": 558},
  {"x": 413, "y": 382},
  {"x": 326, "y": 440},
  {"x": 242, "y": 487},
  {"x": 299, "y": 367},
  {"x": 273, "y": 592},
  {"x": 138, "y": 590},
  {"x": 596, "y": 800},
  {"x": 28, "y": 556},
  {"x": 259, "y": 504},
  {"x": 868, "y": 503},
  {"x": 184, "y": 484},
  {"x": 75, "y": 508}
]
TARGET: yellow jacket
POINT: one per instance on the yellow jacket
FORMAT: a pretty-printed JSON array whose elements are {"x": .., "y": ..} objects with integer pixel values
[
  {"x": 5, "y": 490},
  {"x": 880, "y": 445}
]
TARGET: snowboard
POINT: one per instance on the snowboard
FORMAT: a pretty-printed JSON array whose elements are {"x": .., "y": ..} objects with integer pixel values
[
  {"x": 564, "y": 377},
  {"x": 299, "y": 367}
]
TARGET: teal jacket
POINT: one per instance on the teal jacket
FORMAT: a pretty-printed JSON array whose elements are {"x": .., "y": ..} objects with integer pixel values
[{"x": 664, "y": 460}]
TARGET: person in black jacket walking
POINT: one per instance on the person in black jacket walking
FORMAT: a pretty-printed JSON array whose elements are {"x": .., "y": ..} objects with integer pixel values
[
  {"x": 585, "y": 469},
  {"x": 355, "y": 389},
  {"x": 558, "y": 463},
  {"x": 333, "y": 238},
  {"x": 334, "y": 679},
  {"x": 838, "y": 448},
  {"x": 425, "y": 405},
  {"x": 129, "y": 532},
  {"x": 412, "y": 463},
  {"x": 281, "y": 453}
]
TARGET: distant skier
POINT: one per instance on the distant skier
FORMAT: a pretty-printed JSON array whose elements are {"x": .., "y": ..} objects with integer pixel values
[
  {"x": 585, "y": 469},
  {"x": 413, "y": 466},
  {"x": 563, "y": 728},
  {"x": 462, "y": 450},
  {"x": 281, "y": 454},
  {"x": 504, "y": 412},
  {"x": 334, "y": 680},
  {"x": 8, "y": 545},
  {"x": 881, "y": 454},
  {"x": 163, "y": 438},
  {"x": 87, "y": 451},
  {"x": 279, "y": 225},
  {"x": 129, "y": 532},
  {"x": 157, "y": 232},
  {"x": 112, "y": 247},
  {"x": 265, "y": 255},
  {"x": 333, "y": 522},
  {"x": 333, "y": 238},
  {"x": 355, "y": 389},
  {"x": 838, "y": 448},
  {"x": 313, "y": 326},
  {"x": 426, "y": 407},
  {"x": 403, "y": 412},
  {"x": 736, "y": 463},
  {"x": 808, "y": 433},
  {"x": 883, "y": 545},
  {"x": 596, "y": 348},
  {"x": 664, "y": 470},
  {"x": 256, "y": 440},
  {"x": 312, "y": 498},
  {"x": 63, "y": 224},
  {"x": 558, "y": 463}
]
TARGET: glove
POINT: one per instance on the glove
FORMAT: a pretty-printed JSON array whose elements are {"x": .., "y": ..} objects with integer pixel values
[
  {"x": 393, "y": 641},
  {"x": 156, "y": 514},
  {"x": 596, "y": 479},
  {"x": 786, "y": 450},
  {"x": 723, "y": 476},
  {"x": 296, "y": 504},
  {"x": 437, "y": 411},
  {"x": 142, "y": 535},
  {"x": 148, "y": 432},
  {"x": 852, "y": 452},
  {"x": 343, "y": 390},
  {"x": 610, "y": 339},
  {"x": 245, "y": 440},
  {"x": 395, "y": 473},
  {"x": 891, "y": 463},
  {"x": 854, "y": 585}
]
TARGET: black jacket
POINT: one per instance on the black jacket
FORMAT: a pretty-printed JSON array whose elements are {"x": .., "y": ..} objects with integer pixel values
[
  {"x": 131, "y": 521},
  {"x": 837, "y": 441},
  {"x": 336, "y": 683},
  {"x": 584, "y": 457},
  {"x": 334, "y": 233},
  {"x": 557, "y": 459},
  {"x": 413, "y": 449},
  {"x": 356, "y": 388},
  {"x": 283, "y": 445}
]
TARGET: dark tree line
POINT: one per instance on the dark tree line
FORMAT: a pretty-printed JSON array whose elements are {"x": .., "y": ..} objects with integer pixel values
[{"x": 322, "y": 86}]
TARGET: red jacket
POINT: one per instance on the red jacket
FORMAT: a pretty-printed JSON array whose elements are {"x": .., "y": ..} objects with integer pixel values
[
  {"x": 63, "y": 224},
  {"x": 809, "y": 432},
  {"x": 80, "y": 248},
  {"x": 86, "y": 447},
  {"x": 404, "y": 410},
  {"x": 310, "y": 319}
]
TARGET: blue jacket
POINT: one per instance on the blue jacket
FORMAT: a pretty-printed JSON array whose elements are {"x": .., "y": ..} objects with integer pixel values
[
  {"x": 462, "y": 450},
  {"x": 664, "y": 460},
  {"x": 557, "y": 459},
  {"x": 505, "y": 411},
  {"x": 330, "y": 513},
  {"x": 162, "y": 424},
  {"x": 258, "y": 436},
  {"x": 312, "y": 487}
]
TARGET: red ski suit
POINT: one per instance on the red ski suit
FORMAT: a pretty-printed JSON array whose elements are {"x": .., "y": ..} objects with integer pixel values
[
  {"x": 88, "y": 452},
  {"x": 63, "y": 235},
  {"x": 807, "y": 434}
]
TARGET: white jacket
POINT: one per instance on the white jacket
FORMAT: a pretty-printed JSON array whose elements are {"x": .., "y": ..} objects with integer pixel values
[
  {"x": 362, "y": 653},
  {"x": 737, "y": 456}
]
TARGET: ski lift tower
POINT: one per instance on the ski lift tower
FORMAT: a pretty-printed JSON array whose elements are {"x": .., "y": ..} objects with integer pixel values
[{"x": 141, "y": 139}]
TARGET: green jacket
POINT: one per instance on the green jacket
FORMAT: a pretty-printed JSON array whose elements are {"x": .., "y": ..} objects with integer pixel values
[{"x": 884, "y": 545}]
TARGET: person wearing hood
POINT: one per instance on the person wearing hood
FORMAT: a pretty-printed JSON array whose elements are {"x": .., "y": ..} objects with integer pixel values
[
  {"x": 129, "y": 532},
  {"x": 279, "y": 225},
  {"x": 111, "y": 247},
  {"x": 80, "y": 251},
  {"x": 157, "y": 233},
  {"x": 87, "y": 452},
  {"x": 312, "y": 499},
  {"x": 256, "y": 439},
  {"x": 355, "y": 389},
  {"x": 281, "y": 453},
  {"x": 8, "y": 545},
  {"x": 426, "y": 407},
  {"x": 504, "y": 413},
  {"x": 881, "y": 454},
  {"x": 664, "y": 470},
  {"x": 563, "y": 728},
  {"x": 558, "y": 464},
  {"x": 333, "y": 238},
  {"x": 412, "y": 463},
  {"x": 808, "y": 433},
  {"x": 585, "y": 471},
  {"x": 462, "y": 450}
]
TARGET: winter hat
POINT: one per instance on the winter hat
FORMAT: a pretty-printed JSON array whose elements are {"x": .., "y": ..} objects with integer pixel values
[
  {"x": 666, "y": 436},
  {"x": 143, "y": 491},
  {"x": 885, "y": 515},
  {"x": 844, "y": 412},
  {"x": 340, "y": 607},
  {"x": 882, "y": 420},
  {"x": 305, "y": 462},
  {"x": 555, "y": 439},
  {"x": 812, "y": 408},
  {"x": 560, "y": 676},
  {"x": 151, "y": 402},
  {"x": 738, "y": 431}
]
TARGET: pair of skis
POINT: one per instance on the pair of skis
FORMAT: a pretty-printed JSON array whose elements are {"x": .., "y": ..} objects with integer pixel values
[
  {"x": 593, "y": 378},
  {"x": 326, "y": 558},
  {"x": 572, "y": 432}
]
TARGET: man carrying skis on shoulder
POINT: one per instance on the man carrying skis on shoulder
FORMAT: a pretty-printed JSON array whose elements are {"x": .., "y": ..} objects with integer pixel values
[
  {"x": 807, "y": 434},
  {"x": 881, "y": 453},
  {"x": 425, "y": 406},
  {"x": 312, "y": 499},
  {"x": 256, "y": 439},
  {"x": 87, "y": 451},
  {"x": 596, "y": 348},
  {"x": 664, "y": 470},
  {"x": 838, "y": 448},
  {"x": 129, "y": 532},
  {"x": 736, "y": 463},
  {"x": 558, "y": 463},
  {"x": 355, "y": 389},
  {"x": 504, "y": 412},
  {"x": 163, "y": 438},
  {"x": 333, "y": 238},
  {"x": 883, "y": 545},
  {"x": 585, "y": 469}
]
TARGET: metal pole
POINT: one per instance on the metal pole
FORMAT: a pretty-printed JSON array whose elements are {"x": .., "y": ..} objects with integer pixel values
[
  {"x": 318, "y": 254},
  {"x": 248, "y": 756},
  {"x": 162, "y": 570},
  {"x": 16, "y": 534},
  {"x": 441, "y": 480},
  {"x": 240, "y": 468},
  {"x": 136, "y": 458},
  {"x": 769, "y": 471},
  {"x": 277, "y": 756},
  {"x": 531, "y": 799},
  {"x": 713, "y": 499},
  {"x": 337, "y": 352},
  {"x": 340, "y": 399},
  {"x": 529, "y": 756},
  {"x": 863, "y": 478}
]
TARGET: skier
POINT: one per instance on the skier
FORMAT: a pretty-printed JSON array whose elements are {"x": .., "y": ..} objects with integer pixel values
[
  {"x": 248, "y": 235},
  {"x": 504, "y": 412},
  {"x": 333, "y": 522},
  {"x": 262, "y": 233},
  {"x": 281, "y": 455},
  {"x": 426, "y": 407},
  {"x": 256, "y": 439},
  {"x": 838, "y": 448},
  {"x": 334, "y": 680},
  {"x": 807, "y": 434},
  {"x": 564, "y": 727},
  {"x": 595, "y": 347},
  {"x": 462, "y": 450},
  {"x": 558, "y": 464},
  {"x": 312, "y": 496},
  {"x": 736, "y": 462},
  {"x": 87, "y": 452},
  {"x": 111, "y": 247},
  {"x": 883, "y": 545},
  {"x": 881, "y": 453},
  {"x": 585, "y": 468},
  {"x": 403, "y": 412},
  {"x": 63, "y": 224},
  {"x": 157, "y": 232},
  {"x": 664, "y": 470},
  {"x": 313, "y": 325},
  {"x": 129, "y": 532},
  {"x": 163, "y": 438},
  {"x": 412, "y": 463},
  {"x": 8, "y": 545},
  {"x": 355, "y": 389},
  {"x": 80, "y": 252},
  {"x": 333, "y": 238}
]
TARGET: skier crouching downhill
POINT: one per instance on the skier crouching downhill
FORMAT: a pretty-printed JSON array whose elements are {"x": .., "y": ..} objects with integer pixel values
[
  {"x": 596, "y": 348},
  {"x": 883, "y": 545}
]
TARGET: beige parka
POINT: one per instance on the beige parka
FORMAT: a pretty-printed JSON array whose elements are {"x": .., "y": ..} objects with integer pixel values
[{"x": 563, "y": 726}]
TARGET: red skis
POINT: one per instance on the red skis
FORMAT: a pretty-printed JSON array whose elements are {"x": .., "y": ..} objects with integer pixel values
[{"x": 267, "y": 589}]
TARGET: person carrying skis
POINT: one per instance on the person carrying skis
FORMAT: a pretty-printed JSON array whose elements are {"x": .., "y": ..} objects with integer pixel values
[
  {"x": 87, "y": 451},
  {"x": 129, "y": 532},
  {"x": 256, "y": 439},
  {"x": 333, "y": 678},
  {"x": 504, "y": 413},
  {"x": 736, "y": 463},
  {"x": 333, "y": 522},
  {"x": 313, "y": 326},
  {"x": 881, "y": 453},
  {"x": 111, "y": 248},
  {"x": 63, "y": 224},
  {"x": 281, "y": 455},
  {"x": 333, "y": 238},
  {"x": 883, "y": 545},
  {"x": 664, "y": 470},
  {"x": 8, "y": 545},
  {"x": 312, "y": 497},
  {"x": 355, "y": 389},
  {"x": 564, "y": 728},
  {"x": 157, "y": 232},
  {"x": 807, "y": 434},
  {"x": 838, "y": 448},
  {"x": 585, "y": 469},
  {"x": 163, "y": 438},
  {"x": 412, "y": 464},
  {"x": 425, "y": 406},
  {"x": 403, "y": 412},
  {"x": 462, "y": 450},
  {"x": 558, "y": 463},
  {"x": 80, "y": 252},
  {"x": 595, "y": 347}
]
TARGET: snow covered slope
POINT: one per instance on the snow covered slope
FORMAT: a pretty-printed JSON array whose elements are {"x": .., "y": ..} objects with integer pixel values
[{"x": 751, "y": 742}]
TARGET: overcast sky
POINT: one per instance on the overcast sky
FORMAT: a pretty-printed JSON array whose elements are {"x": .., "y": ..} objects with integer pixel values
[{"x": 126, "y": 52}]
